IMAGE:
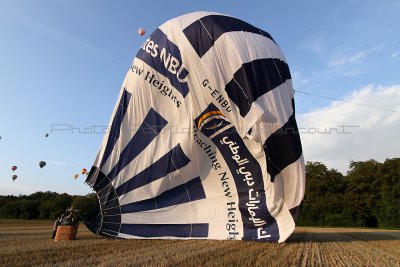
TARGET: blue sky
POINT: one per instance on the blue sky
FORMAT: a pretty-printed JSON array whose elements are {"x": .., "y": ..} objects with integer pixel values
[{"x": 62, "y": 64}]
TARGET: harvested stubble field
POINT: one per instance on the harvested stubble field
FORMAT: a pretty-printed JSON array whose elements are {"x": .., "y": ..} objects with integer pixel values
[{"x": 28, "y": 243}]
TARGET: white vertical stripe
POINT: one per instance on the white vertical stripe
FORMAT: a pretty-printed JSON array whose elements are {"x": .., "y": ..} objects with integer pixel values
[{"x": 277, "y": 107}]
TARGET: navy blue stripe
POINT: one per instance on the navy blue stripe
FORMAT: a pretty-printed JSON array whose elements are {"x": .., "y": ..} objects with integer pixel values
[
  {"x": 101, "y": 182},
  {"x": 113, "y": 227},
  {"x": 242, "y": 169},
  {"x": 108, "y": 212},
  {"x": 110, "y": 204},
  {"x": 248, "y": 178},
  {"x": 151, "y": 126},
  {"x": 92, "y": 219},
  {"x": 111, "y": 212},
  {"x": 160, "y": 230},
  {"x": 293, "y": 105},
  {"x": 109, "y": 197},
  {"x": 190, "y": 191},
  {"x": 295, "y": 212},
  {"x": 116, "y": 126},
  {"x": 254, "y": 79},
  {"x": 116, "y": 218},
  {"x": 92, "y": 177},
  {"x": 165, "y": 57},
  {"x": 195, "y": 189},
  {"x": 170, "y": 162},
  {"x": 104, "y": 193},
  {"x": 203, "y": 33},
  {"x": 283, "y": 147}
]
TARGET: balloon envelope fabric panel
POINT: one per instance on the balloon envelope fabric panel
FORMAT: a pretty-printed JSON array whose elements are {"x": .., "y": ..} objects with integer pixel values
[{"x": 203, "y": 141}]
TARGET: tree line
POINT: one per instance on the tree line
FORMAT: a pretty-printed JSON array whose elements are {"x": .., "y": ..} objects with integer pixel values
[
  {"x": 43, "y": 205},
  {"x": 367, "y": 196}
]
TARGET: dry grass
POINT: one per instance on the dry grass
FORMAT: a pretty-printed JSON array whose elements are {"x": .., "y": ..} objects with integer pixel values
[{"x": 28, "y": 243}]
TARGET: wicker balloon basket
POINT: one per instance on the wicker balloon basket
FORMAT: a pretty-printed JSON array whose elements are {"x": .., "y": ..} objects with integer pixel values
[{"x": 66, "y": 232}]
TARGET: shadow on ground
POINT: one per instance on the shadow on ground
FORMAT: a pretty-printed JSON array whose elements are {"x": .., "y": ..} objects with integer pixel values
[{"x": 302, "y": 237}]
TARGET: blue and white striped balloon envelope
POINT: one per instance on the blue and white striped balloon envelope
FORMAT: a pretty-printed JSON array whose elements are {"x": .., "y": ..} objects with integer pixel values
[{"x": 203, "y": 142}]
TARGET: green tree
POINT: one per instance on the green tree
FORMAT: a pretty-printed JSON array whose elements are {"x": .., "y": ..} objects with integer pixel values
[
  {"x": 84, "y": 203},
  {"x": 362, "y": 193},
  {"x": 387, "y": 209},
  {"x": 323, "y": 202},
  {"x": 29, "y": 209},
  {"x": 10, "y": 207},
  {"x": 60, "y": 203}
]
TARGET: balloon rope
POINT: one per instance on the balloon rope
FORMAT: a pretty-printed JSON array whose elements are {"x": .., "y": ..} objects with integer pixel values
[{"x": 350, "y": 102}]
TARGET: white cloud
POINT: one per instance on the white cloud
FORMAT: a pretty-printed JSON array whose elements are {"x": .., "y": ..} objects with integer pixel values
[
  {"x": 395, "y": 54},
  {"x": 314, "y": 46},
  {"x": 343, "y": 131},
  {"x": 353, "y": 72},
  {"x": 354, "y": 58},
  {"x": 298, "y": 78},
  {"x": 60, "y": 163}
]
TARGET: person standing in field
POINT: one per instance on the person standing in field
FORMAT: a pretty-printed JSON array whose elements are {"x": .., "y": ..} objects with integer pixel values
[{"x": 56, "y": 224}]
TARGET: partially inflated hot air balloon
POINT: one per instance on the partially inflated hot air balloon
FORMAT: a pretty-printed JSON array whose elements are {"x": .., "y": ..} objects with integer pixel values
[
  {"x": 215, "y": 152},
  {"x": 141, "y": 31},
  {"x": 42, "y": 164},
  {"x": 83, "y": 171},
  {"x": 14, "y": 177},
  {"x": 76, "y": 176},
  {"x": 13, "y": 168}
]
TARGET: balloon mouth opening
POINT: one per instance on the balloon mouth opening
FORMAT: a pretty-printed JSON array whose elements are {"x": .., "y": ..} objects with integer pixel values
[{"x": 107, "y": 206}]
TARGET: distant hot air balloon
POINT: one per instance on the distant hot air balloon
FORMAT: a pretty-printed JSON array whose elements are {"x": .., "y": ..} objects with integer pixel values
[
  {"x": 14, "y": 177},
  {"x": 46, "y": 135},
  {"x": 76, "y": 176},
  {"x": 83, "y": 171},
  {"x": 141, "y": 31},
  {"x": 13, "y": 168},
  {"x": 42, "y": 164}
]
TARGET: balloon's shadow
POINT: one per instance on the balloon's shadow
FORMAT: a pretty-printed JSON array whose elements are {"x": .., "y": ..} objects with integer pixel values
[{"x": 343, "y": 236}]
